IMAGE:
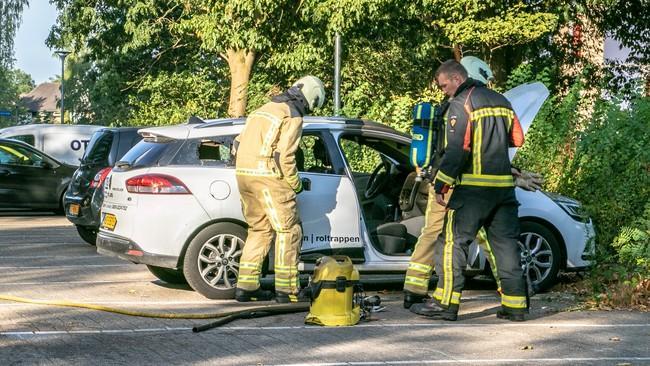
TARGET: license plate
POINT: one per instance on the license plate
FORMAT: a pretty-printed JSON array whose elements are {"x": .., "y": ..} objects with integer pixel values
[
  {"x": 73, "y": 209},
  {"x": 109, "y": 221}
]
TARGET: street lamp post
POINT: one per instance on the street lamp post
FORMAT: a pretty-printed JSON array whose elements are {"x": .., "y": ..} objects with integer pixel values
[{"x": 62, "y": 55}]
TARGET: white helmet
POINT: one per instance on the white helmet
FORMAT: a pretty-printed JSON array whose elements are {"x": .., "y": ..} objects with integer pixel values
[
  {"x": 477, "y": 69},
  {"x": 313, "y": 90}
]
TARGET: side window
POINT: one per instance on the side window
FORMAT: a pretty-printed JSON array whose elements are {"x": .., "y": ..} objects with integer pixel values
[
  {"x": 312, "y": 156},
  {"x": 17, "y": 155},
  {"x": 24, "y": 138},
  {"x": 214, "y": 151},
  {"x": 360, "y": 157}
]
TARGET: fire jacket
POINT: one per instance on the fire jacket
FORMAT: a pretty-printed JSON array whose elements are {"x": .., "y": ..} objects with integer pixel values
[
  {"x": 480, "y": 127},
  {"x": 268, "y": 143}
]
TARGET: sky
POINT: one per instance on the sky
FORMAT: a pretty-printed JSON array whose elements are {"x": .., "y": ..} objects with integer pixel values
[{"x": 30, "y": 51}]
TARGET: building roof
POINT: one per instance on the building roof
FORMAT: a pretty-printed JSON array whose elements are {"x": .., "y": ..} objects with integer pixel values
[{"x": 43, "y": 98}]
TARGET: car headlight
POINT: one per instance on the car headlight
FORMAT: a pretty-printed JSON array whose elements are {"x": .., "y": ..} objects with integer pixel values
[{"x": 572, "y": 207}]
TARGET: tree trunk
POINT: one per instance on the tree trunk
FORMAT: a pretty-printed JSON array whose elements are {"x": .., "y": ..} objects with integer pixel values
[
  {"x": 240, "y": 63},
  {"x": 457, "y": 53}
]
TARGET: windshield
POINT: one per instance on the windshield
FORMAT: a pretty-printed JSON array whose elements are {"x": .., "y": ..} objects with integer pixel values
[{"x": 99, "y": 148}]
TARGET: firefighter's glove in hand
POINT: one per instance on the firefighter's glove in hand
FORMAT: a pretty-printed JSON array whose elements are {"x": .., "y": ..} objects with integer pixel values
[
  {"x": 529, "y": 181},
  {"x": 299, "y": 189}
]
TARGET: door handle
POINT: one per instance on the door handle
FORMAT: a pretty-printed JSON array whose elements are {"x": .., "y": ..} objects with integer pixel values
[{"x": 306, "y": 184}]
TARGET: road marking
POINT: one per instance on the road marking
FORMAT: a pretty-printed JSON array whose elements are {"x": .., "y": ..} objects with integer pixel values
[
  {"x": 472, "y": 361},
  {"x": 312, "y": 327},
  {"x": 126, "y": 303},
  {"x": 67, "y": 266},
  {"x": 444, "y": 325},
  {"x": 47, "y": 244},
  {"x": 69, "y": 282},
  {"x": 51, "y": 256},
  {"x": 99, "y": 331}
]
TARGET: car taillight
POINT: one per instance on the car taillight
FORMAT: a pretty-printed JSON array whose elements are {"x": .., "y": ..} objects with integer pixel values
[
  {"x": 100, "y": 177},
  {"x": 156, "y": 184}
]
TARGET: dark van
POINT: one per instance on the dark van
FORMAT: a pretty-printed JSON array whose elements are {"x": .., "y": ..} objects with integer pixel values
[{"x": 83, "y": 200}]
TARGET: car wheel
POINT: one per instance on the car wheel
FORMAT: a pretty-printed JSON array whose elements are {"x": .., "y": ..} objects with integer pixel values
[
  {"x": 211, "y": 263},
  {"x": 541, "y": 251},
  {"x": 87, "y": 233},
  {"x": 169, "y": 275}
]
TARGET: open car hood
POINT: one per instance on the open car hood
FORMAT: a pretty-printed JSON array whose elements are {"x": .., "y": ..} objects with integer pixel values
[{"x": 526, "y": 100}]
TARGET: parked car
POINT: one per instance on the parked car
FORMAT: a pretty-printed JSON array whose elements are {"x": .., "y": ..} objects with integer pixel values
[
  {"x": 172, "y": 203},
  {"x": 66, "y": 143},
  {"x": 83, "y": 199},
  {"x": 31, "y": 179}
]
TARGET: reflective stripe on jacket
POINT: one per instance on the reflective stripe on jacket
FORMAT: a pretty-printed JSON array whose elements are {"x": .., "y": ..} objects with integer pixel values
[
  {"x": 268, "y": 143},
  {"x": 480, "y": 127}
]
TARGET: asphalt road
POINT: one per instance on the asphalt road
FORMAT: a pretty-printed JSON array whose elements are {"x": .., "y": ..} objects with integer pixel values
[{"x": 41, "y": 257}]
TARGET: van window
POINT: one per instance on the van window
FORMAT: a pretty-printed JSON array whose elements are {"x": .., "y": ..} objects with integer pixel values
[
  {"x": 213, "y": 151},
  {"x": 24, "y": 138},
  {"x": 99, "y": 148}
]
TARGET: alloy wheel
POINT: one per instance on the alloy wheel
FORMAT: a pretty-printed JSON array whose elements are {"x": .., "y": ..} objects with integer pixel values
[
  {"x": 536, "y": 253},
  {"x": 218, "y": 261}
]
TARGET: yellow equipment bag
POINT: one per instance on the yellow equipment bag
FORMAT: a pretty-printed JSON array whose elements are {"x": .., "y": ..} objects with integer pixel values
[{"x": 333, "y": 287}]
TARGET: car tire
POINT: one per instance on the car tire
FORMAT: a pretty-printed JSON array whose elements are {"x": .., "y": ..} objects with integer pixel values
[
  {"x": 87, "y": 233},
  {"x": 540, "y": 248},
  {"x": 211, "y": 263},
  {"x": 169, "y": 275}
]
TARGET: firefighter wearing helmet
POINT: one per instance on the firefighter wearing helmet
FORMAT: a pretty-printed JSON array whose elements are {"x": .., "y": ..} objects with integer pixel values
[{"x": 268, "y": 181}]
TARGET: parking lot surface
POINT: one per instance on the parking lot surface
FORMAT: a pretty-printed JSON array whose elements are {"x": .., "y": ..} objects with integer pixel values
[{"x": 41, "y": 257}]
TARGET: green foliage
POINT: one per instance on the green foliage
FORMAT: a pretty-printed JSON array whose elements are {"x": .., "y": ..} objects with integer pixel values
[
  {"x": 192, "y": 94},
  {"x": 527, "y": 73},
  {"x": 10, "y": 17},
  {"x": 633, "y": 242},
  {"x": 510, "y": 25},
  {"x": 604, "y": 165},
  {"x": 14, "y": 82}
]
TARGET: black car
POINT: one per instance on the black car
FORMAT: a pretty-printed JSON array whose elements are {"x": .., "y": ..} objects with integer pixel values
[
  {"x": 84, "y": 197},
  {"x": 31, "y": 179}
]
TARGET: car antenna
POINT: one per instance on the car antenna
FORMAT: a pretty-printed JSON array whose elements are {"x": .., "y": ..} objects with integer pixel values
[{"x": 194, "y": 120}]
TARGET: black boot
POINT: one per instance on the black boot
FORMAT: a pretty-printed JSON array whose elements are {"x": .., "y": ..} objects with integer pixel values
[
  {"x": 513, "y": 317},
  {"x": 285, "y": 298},
  {"x": 432, "y": 309},
  {"x": 411, "y": 298},
  {"x": 242, "y": 295}
]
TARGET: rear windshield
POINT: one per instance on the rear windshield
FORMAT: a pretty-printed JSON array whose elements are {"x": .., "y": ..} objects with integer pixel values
[
  {"x": 99, "y": 148},
  {"x": 212, "y": 151},
  {"x": 150, "y": 153}
]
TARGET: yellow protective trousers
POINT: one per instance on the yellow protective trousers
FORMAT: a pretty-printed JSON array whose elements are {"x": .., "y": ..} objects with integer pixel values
[
  {"x": 270, "y": 209},
  {"x": 421, "y": 264}
]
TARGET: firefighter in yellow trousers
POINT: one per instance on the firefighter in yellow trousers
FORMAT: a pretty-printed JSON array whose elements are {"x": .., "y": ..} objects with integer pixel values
[
  {"x": 418, "y": 273},
  {"x": 268, "y": 182}
]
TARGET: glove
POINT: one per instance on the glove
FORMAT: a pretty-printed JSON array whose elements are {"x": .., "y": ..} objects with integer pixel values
[
  {"x": 299, "y": 189},
  {"x": 529, "y": 181}
]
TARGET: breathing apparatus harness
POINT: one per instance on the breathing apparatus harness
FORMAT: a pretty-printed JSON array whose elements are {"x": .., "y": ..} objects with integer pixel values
[{"x": 427, "y": 139}]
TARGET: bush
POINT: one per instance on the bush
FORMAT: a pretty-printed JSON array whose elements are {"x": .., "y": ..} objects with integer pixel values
[
  {"x": 602, "y": 159},
  {"x": 633, "y": 243}
]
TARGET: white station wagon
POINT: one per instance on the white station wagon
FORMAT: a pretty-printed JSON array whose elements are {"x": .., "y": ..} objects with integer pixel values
[{"x": 172, "y": 203}]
